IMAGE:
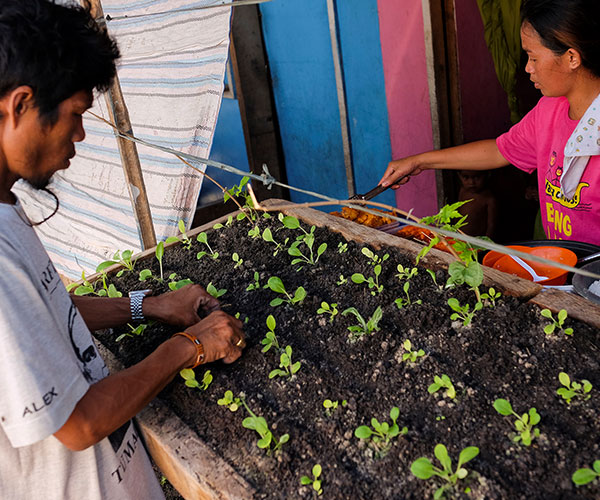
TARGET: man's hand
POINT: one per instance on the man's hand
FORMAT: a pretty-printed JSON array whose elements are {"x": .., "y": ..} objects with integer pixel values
[
  {"x": 180, "y": 307},
  {"x": 397, "y": 169},
  {"x": 221, "y": 336}
]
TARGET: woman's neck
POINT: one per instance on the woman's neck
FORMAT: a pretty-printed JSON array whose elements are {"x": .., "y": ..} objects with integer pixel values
[{"x": 582, "y": 96}]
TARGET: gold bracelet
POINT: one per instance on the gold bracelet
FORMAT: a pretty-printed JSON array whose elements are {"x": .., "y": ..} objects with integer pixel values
[{"x": 199, "y": 348}]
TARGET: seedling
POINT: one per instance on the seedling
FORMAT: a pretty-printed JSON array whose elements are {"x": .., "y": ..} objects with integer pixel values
[
  {"x": 228, "y": 223},
  {"x": 267, "y": 440},
  {"x": 380, "y": 434},
  {"x": 524, "y": 424},
  {"x": 87, "y": 288},
  {"x": 268, "y": 237},
  {"x": 341, "y": 280},
  {"x": 462, "y": 312},
  {"x": 573, "y": 389},
  {"x": 314, "y": 480},
  {"x": 400, "y": 302},
  {"x": 585, "y": 476},
  {"x": 230, "y": 402},
  {"x": 256, "y": 284},
  {"x": 432, "y": 274},
  {"x": 308, "y": 238},
  {"x": 237, "y": 259},
  {"x": 342, "y": 247},
  {"x": 123, "y": 258},
  {"x": 270, "y": 339},
  {"x": 373, "y": 257},
  {"x": 176, "y": 284},
  {"x": 185, "y": 241},
  {"x": 490, "y": 297},
  {"x": 160, "y": 252},
  {"x": 146, "y": 274},
  {"x": 276, "y": 285},
  {"x": 406, "y": 273},
  {"x": 330, "y": 309},
  {"x": 373, "y": 283},
  {"x": 254, "y": 232},
  {"x": 364, "y": 327},
  {"x": 213, "y": 291},
  {"x": 202, "y": 238},
  {"x": 190, "y": 379},
  {"x": 248, "y": 209},
  {"x": 424, "y": 469},
  {"x": 134, "y": 331},
  {"x": 330, "y": 406},
  {"x": 557, "y": 324},
  {"x": 410, "y": 355},
  {"x": 445, "y": 383},
  {"x": 287, "y": 368}
]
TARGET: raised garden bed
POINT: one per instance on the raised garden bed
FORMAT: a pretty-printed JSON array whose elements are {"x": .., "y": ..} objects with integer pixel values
[{"x": 503, "y": 354}]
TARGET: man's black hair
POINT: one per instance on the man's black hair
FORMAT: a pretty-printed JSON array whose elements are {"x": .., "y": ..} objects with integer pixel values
[
  {"x": 565, "y": 24},
  {"x": 57, "y": 50}
]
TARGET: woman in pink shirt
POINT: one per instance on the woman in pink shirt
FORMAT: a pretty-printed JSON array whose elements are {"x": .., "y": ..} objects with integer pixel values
[{"x": 562, "y": 41}]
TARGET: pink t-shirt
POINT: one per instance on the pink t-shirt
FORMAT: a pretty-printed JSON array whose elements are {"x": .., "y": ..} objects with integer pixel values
[{"x": 538, "y": 142}]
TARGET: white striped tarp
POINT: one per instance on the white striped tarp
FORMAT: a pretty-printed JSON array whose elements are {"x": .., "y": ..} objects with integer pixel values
[{"x": 171, "y": 74}]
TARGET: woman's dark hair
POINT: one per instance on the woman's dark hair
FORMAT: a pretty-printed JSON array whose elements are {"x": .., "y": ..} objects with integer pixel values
[
  {"x": 57, "y": 50},
  {"x": 565, "y": 24}
]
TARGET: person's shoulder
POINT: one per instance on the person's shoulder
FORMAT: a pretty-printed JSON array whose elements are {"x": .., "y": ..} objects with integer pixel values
[{"x": 552, "y": 104}]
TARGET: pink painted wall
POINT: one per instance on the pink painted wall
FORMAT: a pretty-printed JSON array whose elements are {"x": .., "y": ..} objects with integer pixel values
[
  {"x": 485, "y": 111},
  {"x": 407, "y": 93}
]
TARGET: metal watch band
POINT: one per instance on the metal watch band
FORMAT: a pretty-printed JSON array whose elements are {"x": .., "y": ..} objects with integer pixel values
[{"x": 136, "y": 298}]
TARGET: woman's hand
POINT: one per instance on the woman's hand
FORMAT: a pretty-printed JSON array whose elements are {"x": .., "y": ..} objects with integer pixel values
[{"x": 399, "y": 172}]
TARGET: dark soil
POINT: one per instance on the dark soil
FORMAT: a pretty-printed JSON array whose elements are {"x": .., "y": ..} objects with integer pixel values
[{"x": 504, "y": 354}]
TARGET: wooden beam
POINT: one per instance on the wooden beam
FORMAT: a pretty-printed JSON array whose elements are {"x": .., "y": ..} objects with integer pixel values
[
  {"x": 255, "y": 97},
  {"x": 130, "y": 160}
]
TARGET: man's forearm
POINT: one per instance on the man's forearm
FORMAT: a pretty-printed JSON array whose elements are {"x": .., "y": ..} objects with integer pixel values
[{"x": 114, "y": 400}]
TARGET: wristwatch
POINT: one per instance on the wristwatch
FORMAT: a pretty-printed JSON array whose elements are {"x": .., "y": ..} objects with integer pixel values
[{"x": 136, "y": 298}]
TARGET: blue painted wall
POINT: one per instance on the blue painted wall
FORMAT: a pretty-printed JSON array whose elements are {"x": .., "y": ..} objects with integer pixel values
[{"x": 299, "y": 51}]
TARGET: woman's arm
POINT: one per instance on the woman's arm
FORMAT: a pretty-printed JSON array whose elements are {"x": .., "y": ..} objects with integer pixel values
[{"x": 480, "y": 155}]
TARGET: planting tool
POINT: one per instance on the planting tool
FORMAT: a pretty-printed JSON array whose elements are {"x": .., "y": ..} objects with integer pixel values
[{"x": 374, "y": 192}]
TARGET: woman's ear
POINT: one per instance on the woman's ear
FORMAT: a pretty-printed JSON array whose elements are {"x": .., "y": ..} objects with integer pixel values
[{"x": 574, "y": 58}]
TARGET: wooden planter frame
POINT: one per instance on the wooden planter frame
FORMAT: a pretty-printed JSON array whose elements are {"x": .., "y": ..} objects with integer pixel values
[{"x": 192, "y": 467}]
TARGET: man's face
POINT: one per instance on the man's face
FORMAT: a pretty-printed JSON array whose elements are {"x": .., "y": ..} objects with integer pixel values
[{"x": 47, "y": 148}]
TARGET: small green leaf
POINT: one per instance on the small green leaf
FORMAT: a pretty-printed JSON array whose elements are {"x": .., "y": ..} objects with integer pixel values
[
  {"x": 363, "y": 432},
  {"x": 276, "y": 284},
  {"x": 503, "y": 407},
  {"x": 271, "y": 322},
  {"x": 441, "y": 453},
  {"x": 562, "y": 315},
  {"x": 469, "y": 453},
  {"x": 305, "y": 480},
  {"x": 422, "y": 468},
  {"x": 316, "y": 471},
  {"x": 584, "y": 476},
  {"x": 564, "y": 379}
]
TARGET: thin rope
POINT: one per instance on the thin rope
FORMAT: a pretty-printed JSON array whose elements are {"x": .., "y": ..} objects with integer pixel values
[
  {"x": 268, "y": 180},
  {"x": 109, "y": 18}
]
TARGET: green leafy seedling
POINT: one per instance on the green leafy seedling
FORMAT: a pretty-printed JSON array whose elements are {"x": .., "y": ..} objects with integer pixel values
[
  {"x": 330, "y": 309},
  {"x": 267, "y": 440},
  {"x": 123, "y": 258},
  {"x": 255, "y": 285},
  {"x": 424, "y": 469},
  {"x": 307, "y": 238},
  {"x": 462, "y": 312},
  {"x": 524, "y": 425},
  {"x": 490, "y": 297},
  {"x": 442, "y": 382},
  {"x": 268, "y": 237},
  {"x": 232, "y": 403},
  {"x": 557, "y": 324},
  {"x": 213, "y": 291},
  {"x": 190, "y": 379},
  {"x": 364, "y": 327},
  {"x": 373, "y": 282},
  {"x": 373, "y": 257},
  {"x": 330, "y": 406},
  {"x": 134, "y": 331},
  {"x": 228, "y": 223},
  {"x": 237, "y": 259},
  {"x": 434, "y": 279},
  {"x": 585, "y": 475},
  {"x": 405, "y": 273},
  {"x": 315, "y": 480},
  {"x": 341, "y": 280},
  {"x": 276, "y": 285},
  {"x": 342, "y": 247},
  {"x": 380, "y": 434},
  {"x": 185, "y": 241},
  {"x": 270, "y": 339},
  {"x": 401, "y": 302},
  {"x": 287, "y": 368},
  {"x": 203, "y": 238},
  {"x": 573, "y": 389},
  {"x": 160, "y": 252},
  {"x": 411, "y": 356},
  {"x": 145, "y": 274},
  {"x": 176, "y": 284}
]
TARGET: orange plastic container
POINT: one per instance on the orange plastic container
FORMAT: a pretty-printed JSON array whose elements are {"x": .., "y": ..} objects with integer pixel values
[{"x": 555, "y": 276}]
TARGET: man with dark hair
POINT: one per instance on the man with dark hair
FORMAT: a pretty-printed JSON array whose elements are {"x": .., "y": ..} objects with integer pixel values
[{"x": 65, "y": 424}]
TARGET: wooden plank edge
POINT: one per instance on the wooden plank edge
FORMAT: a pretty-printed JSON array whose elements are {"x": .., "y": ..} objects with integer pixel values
[
  {"x": 435, "y": 259},
  {"x": 193, "y": 469},
  {"x": 577, "y": 307}
]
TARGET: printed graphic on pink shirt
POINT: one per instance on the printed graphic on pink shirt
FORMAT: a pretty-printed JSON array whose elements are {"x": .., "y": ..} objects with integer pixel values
[{"x": 558, "y": 223}]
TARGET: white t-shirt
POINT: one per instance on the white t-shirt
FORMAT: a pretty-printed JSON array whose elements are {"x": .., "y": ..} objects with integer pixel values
[{"x": 48, "y": 360}]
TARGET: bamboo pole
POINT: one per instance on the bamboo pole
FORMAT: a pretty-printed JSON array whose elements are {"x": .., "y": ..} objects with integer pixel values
[{"x": 128, "y": 150}]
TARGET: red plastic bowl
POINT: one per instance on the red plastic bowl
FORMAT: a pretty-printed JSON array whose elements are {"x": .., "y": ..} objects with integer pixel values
[{"x": 555, "y": 276}]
